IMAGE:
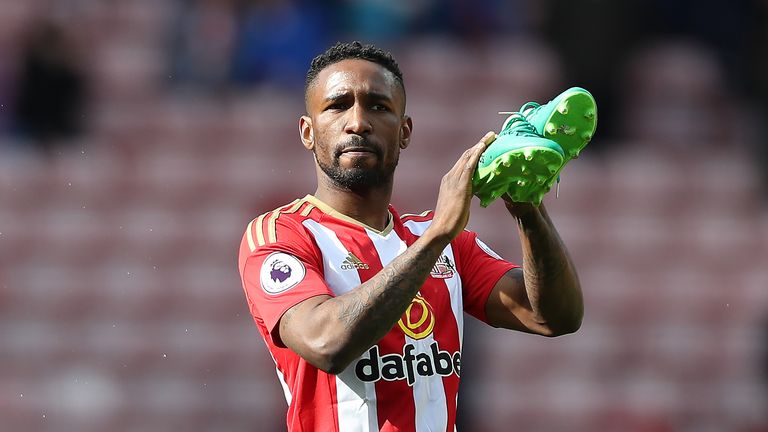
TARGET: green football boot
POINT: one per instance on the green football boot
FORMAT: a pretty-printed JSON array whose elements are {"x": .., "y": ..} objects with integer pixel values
[
  {"x": 570, "y": 120},
  {"x": 519, "y": 162}
]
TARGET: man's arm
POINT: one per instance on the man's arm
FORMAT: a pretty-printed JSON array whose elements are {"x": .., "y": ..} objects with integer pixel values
[
  {"x": 330, "y": 332},
  {"x": 544, "y": 297}
]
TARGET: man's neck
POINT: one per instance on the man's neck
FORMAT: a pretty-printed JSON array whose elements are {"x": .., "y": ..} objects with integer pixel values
[{"x": 370, "y": 208}]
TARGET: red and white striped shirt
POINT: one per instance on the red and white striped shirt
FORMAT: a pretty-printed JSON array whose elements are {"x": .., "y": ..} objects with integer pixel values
[{"x": 409, "y": 380}]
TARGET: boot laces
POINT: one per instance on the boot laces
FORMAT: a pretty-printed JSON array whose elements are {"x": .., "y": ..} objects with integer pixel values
[
  {"x": 517, "y": 124},
  {"x": 534, "y": 106}
]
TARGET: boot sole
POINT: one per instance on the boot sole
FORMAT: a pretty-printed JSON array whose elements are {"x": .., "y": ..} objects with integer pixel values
[
  {"x": 522, "y": 173},
  {"x": 572, "y": 125},
  {"x": 573, "y": 122}
]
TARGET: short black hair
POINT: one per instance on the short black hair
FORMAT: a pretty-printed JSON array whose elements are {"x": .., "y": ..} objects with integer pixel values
[{"x": 353, "y": 50}]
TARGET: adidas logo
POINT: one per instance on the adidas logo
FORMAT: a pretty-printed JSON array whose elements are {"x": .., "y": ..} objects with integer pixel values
[{"x": 351, "y": 262}]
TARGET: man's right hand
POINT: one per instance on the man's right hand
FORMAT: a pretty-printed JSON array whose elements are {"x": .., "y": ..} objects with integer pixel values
[{"x": 453, "y": 200}]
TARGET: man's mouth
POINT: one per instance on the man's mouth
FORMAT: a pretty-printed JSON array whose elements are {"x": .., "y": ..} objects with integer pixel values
[{"x": 358, "y": 150}]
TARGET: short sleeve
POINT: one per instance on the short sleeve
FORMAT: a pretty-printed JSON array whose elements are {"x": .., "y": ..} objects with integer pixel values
[
  {"x": 279, "y": 275},
  {"x": 480, "y": 269}
]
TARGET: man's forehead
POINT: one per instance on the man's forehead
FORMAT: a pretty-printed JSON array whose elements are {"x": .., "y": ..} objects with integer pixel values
[{"x": 355, "y": 73}]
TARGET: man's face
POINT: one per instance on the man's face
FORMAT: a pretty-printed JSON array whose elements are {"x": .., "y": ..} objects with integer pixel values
[{"x": 356, "y": 124}]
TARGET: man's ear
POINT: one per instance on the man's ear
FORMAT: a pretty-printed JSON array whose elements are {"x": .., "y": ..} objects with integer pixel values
[
  {"x": 306, "y": 132},
  {"x": 406, "y": 128}
]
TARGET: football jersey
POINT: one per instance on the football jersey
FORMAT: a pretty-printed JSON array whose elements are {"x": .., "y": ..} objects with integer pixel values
[{"x": 408, "y": 380}]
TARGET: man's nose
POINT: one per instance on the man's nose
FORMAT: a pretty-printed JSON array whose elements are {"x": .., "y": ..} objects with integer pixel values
[{"x": 358, "y": 122}]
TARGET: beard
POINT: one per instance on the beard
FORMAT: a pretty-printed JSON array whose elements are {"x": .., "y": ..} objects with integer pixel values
[{"x": 359, "y": 178}]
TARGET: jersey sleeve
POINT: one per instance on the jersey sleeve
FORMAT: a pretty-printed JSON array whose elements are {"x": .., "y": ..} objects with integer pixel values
[
  {"x": 480, "y": 269},
  {"x": 276, "y": 276}
]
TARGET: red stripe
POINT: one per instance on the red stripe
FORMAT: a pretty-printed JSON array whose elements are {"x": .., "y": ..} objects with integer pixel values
[
  {"x": 330, "y": 381},
  {"x": 394, "y": 402},
  {"x": 259, "y": 228},
  {"x": 446, "y": 333},
  {"x": 417, "y": 218},
  {"x": 401, "y": 414}
]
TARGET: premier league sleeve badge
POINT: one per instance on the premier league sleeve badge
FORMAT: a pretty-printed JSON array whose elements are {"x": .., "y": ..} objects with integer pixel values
[{"x": 281, "y": 272}]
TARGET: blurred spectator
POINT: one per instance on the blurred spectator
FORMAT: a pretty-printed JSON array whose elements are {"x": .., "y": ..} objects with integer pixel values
[
  {"x": 51, "y": 95},
  {"x": 707, "y": 21},
  {"x": 277, "y": 39},
  {"x": 476, "y": 20},
  {"x": 756, "y": 85},
  {"x": 593, "y": 39},
  {"x": 7, "y": 85},
  {"x": 217, "y": 43},
  {"x": 380, "y": 20},
  {"x": 202, "y": 43}
]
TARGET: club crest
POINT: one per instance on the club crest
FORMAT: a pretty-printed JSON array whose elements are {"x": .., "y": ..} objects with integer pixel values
[{"x": 443, "y": 268}]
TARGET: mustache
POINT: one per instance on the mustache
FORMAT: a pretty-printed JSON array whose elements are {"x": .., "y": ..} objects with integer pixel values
[{"x": 357, "y": 141}]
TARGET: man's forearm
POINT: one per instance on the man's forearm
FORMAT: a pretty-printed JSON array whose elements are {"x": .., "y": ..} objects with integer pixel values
[
  {"x": 550, "y": 277},
  {"x": 361, "y": 317}
]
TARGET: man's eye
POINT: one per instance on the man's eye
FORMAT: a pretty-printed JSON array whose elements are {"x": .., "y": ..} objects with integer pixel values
[
  {"x": 379, "y": 107},
  {"x": 336, "y": 106}
]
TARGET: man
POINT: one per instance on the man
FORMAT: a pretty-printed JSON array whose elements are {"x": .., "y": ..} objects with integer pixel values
[{"x": 362, "y": 308}]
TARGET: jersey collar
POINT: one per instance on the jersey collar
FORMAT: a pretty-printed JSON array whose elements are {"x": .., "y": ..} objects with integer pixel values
[{"x": 325, "y": 208}]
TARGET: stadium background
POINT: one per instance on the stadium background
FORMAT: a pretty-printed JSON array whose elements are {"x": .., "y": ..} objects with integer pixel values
[{"x": 138, "y": 138}]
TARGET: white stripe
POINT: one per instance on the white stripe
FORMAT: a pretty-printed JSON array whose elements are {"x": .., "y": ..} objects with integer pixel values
[
  {"x": 388, "y": 247},
  {"x": 454, "y": 290},
  {"x": 356, "y": 399},
  {"x": 286, "y": 390},
  {"x": 249, "y": 236},
  {"x": 428, "y": 393},
  {"x": 453, "y": 283},
  {"x": 356, "y": 402},
  {"x": 281, "y": 377},
  {"x": 340, "y": 281}
]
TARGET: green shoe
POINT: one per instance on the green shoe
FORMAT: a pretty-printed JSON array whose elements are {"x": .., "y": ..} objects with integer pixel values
[
  {"x": 570, "y": 120},
  {"x": 519, "y": 162}
]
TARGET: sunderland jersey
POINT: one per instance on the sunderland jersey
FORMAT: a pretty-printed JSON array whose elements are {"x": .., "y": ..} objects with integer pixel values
[{"x": 409, "y": 380}]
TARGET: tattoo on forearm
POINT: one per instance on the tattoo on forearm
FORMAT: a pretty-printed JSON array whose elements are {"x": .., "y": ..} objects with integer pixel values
[
  {"x": 548, "y": 265},
  {"x": 352, "y": 307},
  {"x": 376, "y": 305},
  {"x": 550, "y": 279}
]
